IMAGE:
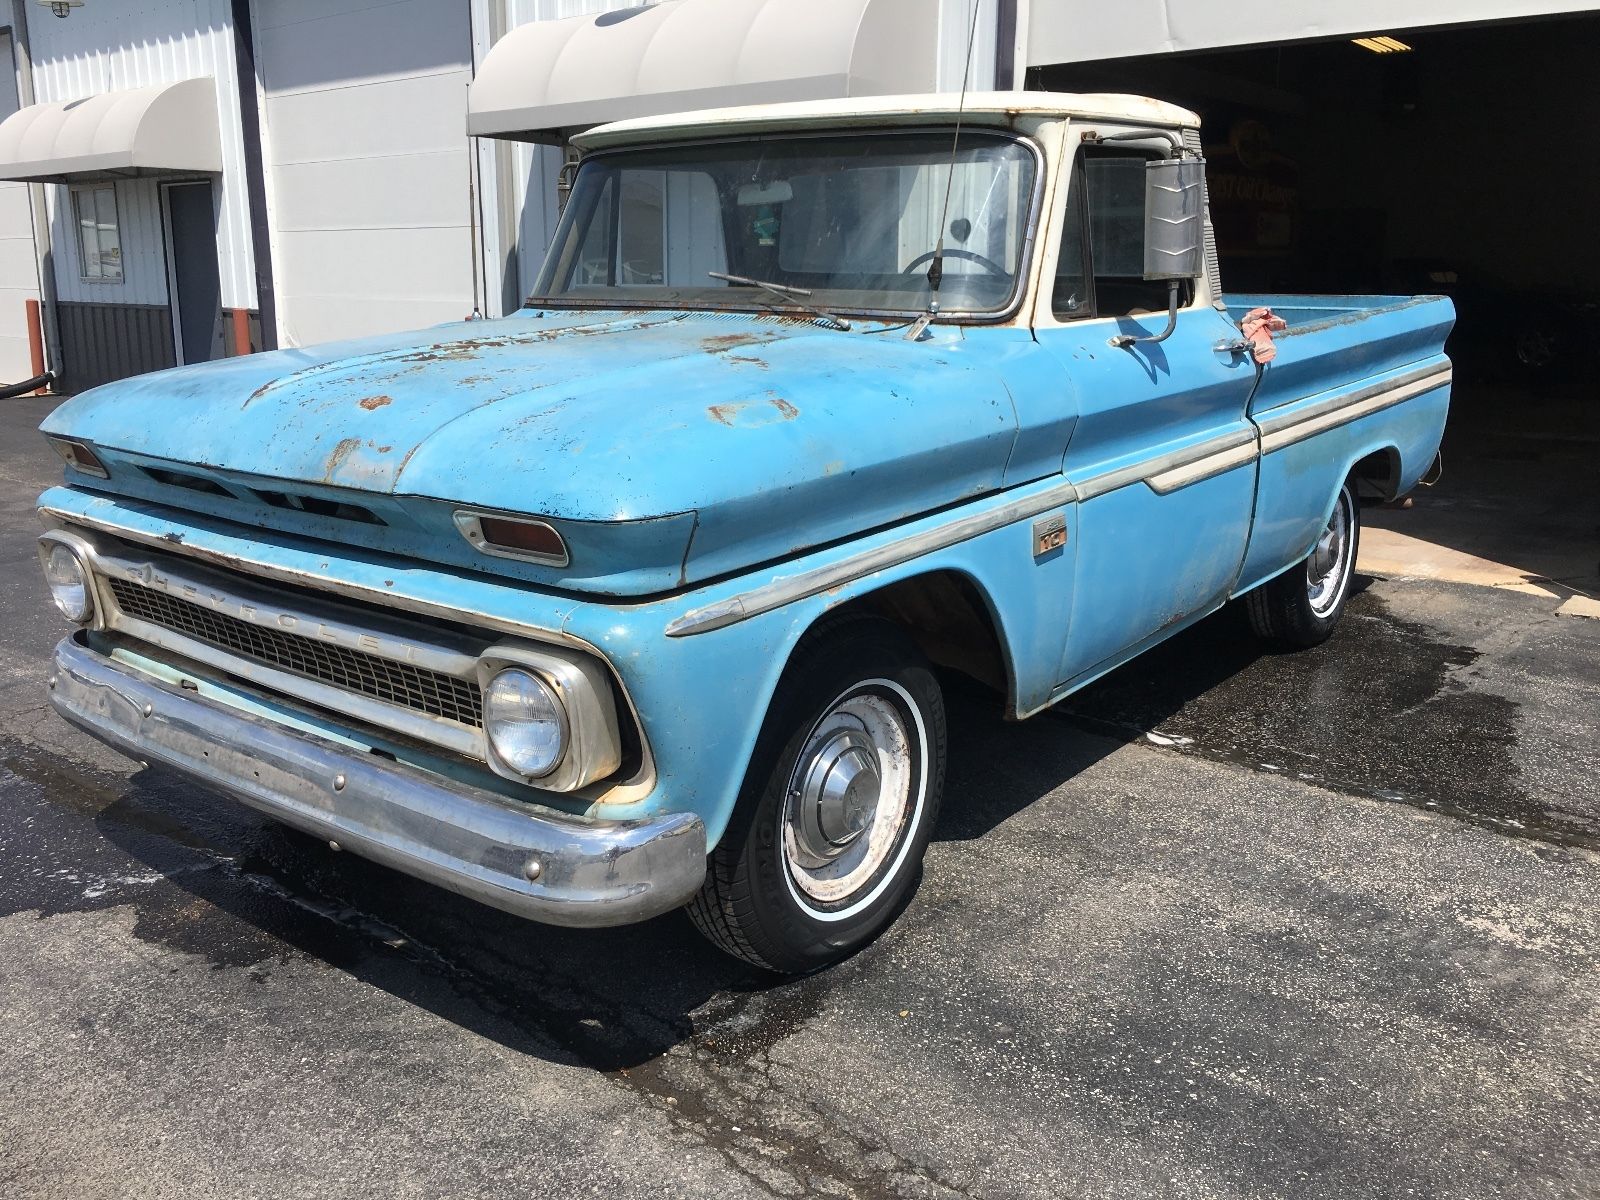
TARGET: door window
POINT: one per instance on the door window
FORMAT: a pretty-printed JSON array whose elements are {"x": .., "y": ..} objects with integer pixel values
[
  {"x": 99, "y": 245},
  {"x": 1100, "y": 271}
]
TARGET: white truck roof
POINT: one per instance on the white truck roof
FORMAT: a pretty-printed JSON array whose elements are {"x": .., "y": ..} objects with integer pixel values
[{"x": 933, "y": 108}]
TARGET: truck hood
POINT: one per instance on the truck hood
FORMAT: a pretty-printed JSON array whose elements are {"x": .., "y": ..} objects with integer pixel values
[{"x": 757, "y": 437}]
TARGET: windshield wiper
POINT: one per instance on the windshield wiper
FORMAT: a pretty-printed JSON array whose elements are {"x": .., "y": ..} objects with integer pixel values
[{"x": 786, "y": 293}]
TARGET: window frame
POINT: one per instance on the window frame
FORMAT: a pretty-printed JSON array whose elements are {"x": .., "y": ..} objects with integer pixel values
[
  {"x": 1078, "y": 187},
  {"x": 75, "y": 197}
]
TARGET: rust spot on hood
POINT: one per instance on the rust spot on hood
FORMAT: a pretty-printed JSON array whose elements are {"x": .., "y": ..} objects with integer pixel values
[
  {"x": 719, "y": 342},
  {"x": 345, "y": 448},
  {"x": 258, "y": 393},
  {"x": 752, "y": 414},
  {"x": 375, "y": 402}
]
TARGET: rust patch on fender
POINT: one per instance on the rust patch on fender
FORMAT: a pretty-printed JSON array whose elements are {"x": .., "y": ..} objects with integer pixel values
[
  {"x": 372, "y": 403},
  {"x": 789, "y": 411},
  {"x": 750, "y": 360},
  {"x": 723, "y": 412}
]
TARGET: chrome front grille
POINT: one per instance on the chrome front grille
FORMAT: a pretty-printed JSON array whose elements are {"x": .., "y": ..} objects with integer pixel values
[{"x": 403, "y": 684}]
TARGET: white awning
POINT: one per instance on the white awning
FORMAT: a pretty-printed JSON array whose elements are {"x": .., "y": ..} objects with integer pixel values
[
  {"x": 170, "y": 128},
  {"x": 551, "y": 76}
]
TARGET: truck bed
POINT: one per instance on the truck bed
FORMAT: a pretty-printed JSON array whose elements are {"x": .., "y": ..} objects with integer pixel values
[{"x": 1308, "y": 313}]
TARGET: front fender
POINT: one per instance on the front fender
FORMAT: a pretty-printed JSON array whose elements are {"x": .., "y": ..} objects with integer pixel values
[{"x": 702, "y": 696}]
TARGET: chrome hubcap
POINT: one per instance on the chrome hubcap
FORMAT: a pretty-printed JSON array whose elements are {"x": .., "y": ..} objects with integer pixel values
[
  {"x": 837, "y": 797},
  {"x": 1328, "y": 568},
  {"x": 848, "y": 798}
]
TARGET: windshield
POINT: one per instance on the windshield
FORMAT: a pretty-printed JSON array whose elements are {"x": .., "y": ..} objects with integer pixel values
[{"x": 852, "y": 220}]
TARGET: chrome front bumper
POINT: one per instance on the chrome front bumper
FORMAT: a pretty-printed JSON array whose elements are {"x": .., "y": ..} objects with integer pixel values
[{"x": 526, "y": 859}]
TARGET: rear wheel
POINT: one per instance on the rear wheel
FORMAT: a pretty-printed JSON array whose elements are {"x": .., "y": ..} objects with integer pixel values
[
  {"x": 1299, "y": 608},
  {"x": 827, "y": 840}
]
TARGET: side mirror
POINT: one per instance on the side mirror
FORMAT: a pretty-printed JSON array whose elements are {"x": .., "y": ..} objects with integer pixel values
[{"x": 1174, "y": 236}]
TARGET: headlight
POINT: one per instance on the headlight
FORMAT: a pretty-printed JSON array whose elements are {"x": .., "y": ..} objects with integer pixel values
[
  {"x": 69, "y": 584},
  {"x": 525, "y": 722}
]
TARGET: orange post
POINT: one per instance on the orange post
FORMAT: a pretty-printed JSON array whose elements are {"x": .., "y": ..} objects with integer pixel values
[
  {"x": 241, "y": 331},
  {"x": 35, "y": 342}
]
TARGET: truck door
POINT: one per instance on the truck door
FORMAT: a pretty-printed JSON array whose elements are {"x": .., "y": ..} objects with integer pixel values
[{"x": 1162, "y": 454}]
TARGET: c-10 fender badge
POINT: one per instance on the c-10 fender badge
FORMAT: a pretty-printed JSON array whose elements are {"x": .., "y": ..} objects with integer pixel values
[{"x": 1049, "y": 533}]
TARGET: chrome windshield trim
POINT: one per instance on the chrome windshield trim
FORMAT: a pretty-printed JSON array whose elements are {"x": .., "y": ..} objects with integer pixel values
[
  {"x": 1013, "y": 306},
  {"x": 819, "y": 579}
]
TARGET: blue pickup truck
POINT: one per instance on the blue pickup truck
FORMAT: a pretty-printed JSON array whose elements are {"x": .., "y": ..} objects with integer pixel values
[{"x": 634, "y": 600}]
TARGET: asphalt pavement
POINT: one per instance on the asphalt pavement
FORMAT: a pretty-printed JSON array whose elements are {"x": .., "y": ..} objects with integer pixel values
[{"x": 1224, "y": 925}]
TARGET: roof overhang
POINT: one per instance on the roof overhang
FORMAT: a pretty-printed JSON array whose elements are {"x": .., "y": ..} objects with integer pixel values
[
  {"x": 545, "y": 79},
  {"x": 1018, "y": 111},
  {"x": 1072, "y": 31},
  {"x": 167, "y": 129}
]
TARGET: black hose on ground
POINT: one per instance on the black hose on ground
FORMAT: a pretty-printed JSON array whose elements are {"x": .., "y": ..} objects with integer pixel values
[{"x": 12, "y": 391}]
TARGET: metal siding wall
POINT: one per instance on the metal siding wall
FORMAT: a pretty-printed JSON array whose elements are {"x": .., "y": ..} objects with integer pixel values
[
  {"x": 110, "y": 45},
  {"x": 955, "y": 28},
  {"x": 365, "y": 139},
  {"x": 534, "y": 168},
  {"x": 102, "y": 342},
  {"x": 144, "y": 258},
  {"x": 19, "y": 270}
]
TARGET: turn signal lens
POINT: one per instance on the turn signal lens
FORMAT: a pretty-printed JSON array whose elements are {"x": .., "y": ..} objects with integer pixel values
[
  {"x": 526, "y": 722},
  {"x": 512, "y": 537},
  {"x": 78, "y": 456},
  {"x": 69, "y": 584}
]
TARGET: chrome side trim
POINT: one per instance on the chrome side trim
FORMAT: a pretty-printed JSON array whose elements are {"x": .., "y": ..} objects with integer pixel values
[
  {"x": 1243, "y": 450},
  {"x": 529, "y": 860},
  {"x": 819, "y": 579},
  {"x": 1288, "y": 428},
  {"x": 1164, "y": 473},
  {"x": 1176, "y": 468}
]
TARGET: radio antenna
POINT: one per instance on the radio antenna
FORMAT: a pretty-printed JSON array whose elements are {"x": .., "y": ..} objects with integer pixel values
[{"x": 936, "y": 267}]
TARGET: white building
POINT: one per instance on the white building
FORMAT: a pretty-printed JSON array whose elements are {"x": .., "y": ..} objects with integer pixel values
[{"x": 189, "y": 173}]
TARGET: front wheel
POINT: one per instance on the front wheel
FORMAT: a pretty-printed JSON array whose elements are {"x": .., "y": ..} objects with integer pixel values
[
  {"x": 1298, "y": 609},
  {"x": 827, "y": 840}
]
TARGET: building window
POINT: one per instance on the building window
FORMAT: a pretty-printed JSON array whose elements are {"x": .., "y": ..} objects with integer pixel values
[{"x": 99, "y": 244}]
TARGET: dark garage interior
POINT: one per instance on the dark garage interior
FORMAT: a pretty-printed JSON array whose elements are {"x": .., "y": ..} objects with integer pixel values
[{"x": 1461, "y": 165}]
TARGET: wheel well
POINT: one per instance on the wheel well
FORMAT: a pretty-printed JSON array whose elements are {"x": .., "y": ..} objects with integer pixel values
[
  {"x": 1377, "y": 476},
  {"x": 950, "y": 621}
]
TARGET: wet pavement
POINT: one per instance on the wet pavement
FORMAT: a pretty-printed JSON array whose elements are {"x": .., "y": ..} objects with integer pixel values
[{"x": 1226, "y": 924}]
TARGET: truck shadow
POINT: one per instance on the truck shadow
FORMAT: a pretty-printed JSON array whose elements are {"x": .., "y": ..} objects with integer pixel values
[{"x": 250, "y": 895}]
